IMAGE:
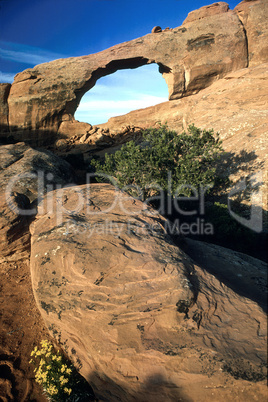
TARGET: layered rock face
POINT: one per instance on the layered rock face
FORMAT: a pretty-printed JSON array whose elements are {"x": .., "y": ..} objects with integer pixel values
[
  {"x": 4, "y": 92},
  {"x": 138, "y": 319},
  {"x": 25, "y": 175},
  {"x": 252, "y": 15},
  {"x": 190, "y": 58}
]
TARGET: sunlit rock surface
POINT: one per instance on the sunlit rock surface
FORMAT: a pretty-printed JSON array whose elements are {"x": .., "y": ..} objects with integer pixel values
[{"x": 136, "y": 316}]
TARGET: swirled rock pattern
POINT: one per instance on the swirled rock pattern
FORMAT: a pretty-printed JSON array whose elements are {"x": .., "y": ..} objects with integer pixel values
[{"x": 136, "y": 316}]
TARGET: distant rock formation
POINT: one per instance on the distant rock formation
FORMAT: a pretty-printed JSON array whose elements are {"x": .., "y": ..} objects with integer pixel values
[
  {"x": 136, "y": 316},
  {"x": 211, "y": 43}
]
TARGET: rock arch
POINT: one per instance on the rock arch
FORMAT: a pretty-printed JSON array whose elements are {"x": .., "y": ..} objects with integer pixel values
[
  {"x": 190, "y": 58},
  {"x": 112, "y": 67},
  {"x": 122, "y": 92}
]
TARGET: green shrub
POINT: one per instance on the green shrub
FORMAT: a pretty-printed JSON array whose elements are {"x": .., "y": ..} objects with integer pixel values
[
  {"x": 228, "y": 231},
  {"x": 189, "y": 159}
]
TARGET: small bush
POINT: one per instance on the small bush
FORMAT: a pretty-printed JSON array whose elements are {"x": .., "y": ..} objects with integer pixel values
[{"x": 189, "y": 159}]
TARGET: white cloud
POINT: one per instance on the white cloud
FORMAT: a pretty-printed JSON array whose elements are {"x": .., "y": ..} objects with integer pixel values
[
  {"x": 99, "y": 111},
  {"x": 26, "y": 54},
  {"x": 6, "y": 77},
  {"x": 130, "y": 104},
  {"x": 146, "y": 79}
]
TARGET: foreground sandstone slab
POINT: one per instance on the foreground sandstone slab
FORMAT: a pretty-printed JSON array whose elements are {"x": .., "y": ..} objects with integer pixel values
[{"x": 133, "y": 312}]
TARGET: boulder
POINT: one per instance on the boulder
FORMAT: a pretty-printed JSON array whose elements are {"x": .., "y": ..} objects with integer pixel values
[
  {"x": 70, "y": 128},
  {"x": 24, "y": 174},
  {"x": 190, "y": 58},
  {"x": 137, "y": 317},
  {"x": 157, "y": 29}
]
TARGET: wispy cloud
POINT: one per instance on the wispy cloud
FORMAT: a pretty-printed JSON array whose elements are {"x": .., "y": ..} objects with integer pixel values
[
  {"x": 97, "y": 112},
  {"x": 6, "y": 77},
  {"x": 26, "y": 54},
  {"x": 143, "y": 101}
]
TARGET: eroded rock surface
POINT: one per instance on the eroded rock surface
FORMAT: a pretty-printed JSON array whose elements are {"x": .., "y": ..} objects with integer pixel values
[
  {"x": 4, "y": 92},
  {"x": 138, "y": 318},
  {"x": 24, "y": 174},
  {"x": 235, "y": 106},
  {"x": 190, "y": 58},
  {"x": 212, "y": 42},
  {"x": 252, "y": 14}
]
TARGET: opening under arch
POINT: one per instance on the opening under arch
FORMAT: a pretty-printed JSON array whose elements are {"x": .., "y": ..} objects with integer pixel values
[{"x": 121, "y": 92}]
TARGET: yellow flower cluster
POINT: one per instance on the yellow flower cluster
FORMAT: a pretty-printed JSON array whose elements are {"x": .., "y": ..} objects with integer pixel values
[
  {"x": 63, "y": 380},
  {"x": 51, "y": 372},
  {"x": 67, "y": 390},
  {"x": 52, "y": 390}
]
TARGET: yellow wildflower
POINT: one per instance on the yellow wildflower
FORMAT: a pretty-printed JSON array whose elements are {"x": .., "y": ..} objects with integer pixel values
[
  {"x": 67, "y": 390},
  {"x": 63, "y": 368},
  {"x": 52, "y": 390}
]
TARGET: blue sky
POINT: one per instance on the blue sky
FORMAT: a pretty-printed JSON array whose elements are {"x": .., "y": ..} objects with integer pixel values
[{"x": 37, "y": 31}]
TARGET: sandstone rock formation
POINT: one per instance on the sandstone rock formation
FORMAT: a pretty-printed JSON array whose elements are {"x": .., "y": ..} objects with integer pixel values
[
  {"x": 244, "y": 274},
  {"x": 234, "y": 106},
  {"x": 24, "y": 173},
  {"x": 137, "y": 317},
  {"x": 156, "y": 29},
  {"x": 70, "y": 128},
  {"x": 4, "y": 92},
  {"x": 251, "y": 14},
  {"x": 190, "y": 58},
  {"x": 140, "y": 319},
  {"x": 207, "y": 11}
]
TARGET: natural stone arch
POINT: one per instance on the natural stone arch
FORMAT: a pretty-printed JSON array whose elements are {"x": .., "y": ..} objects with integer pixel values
[
  {"x": 122, "y": 92},
  {"x": 111, "y": 68},
  {"x": 190, "y": 58}
]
